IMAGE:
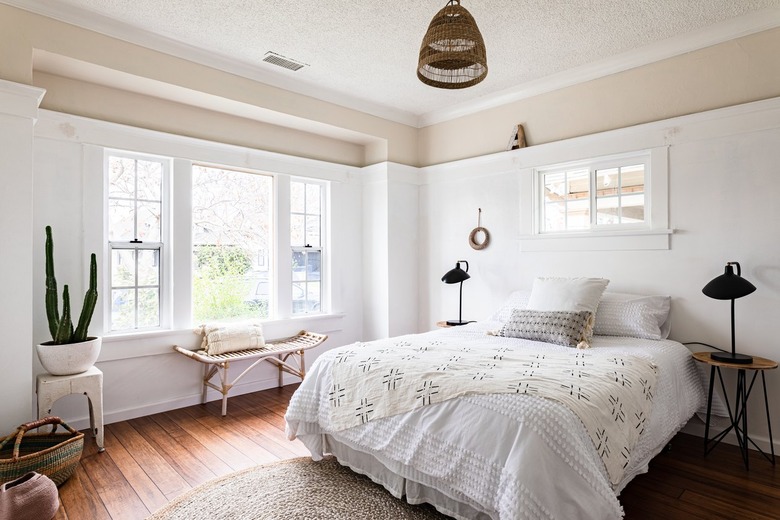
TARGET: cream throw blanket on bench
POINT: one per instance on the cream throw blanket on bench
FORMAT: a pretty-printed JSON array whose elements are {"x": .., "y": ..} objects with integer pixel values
[
  {"x": 611, "y": 395},
  {"x": 231, "y": 337}
]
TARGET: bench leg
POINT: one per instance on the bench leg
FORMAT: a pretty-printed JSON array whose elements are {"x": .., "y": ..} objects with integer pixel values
[
  {"x": 205, "y": 388},
  {"x": 223, "y": 375}
]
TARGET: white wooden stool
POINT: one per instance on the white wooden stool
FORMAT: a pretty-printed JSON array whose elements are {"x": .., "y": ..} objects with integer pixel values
[{"x": 90, "y": 383}]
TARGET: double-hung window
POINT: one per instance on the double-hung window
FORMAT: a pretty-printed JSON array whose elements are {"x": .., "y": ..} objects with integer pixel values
[
  {"x": 208, "y": 251},
  {"x": 137, "y": 186},
  {"x": 602, "y": 195},
  {"x": 306, "y": 225},
  {"x": 232, "y": 237}
]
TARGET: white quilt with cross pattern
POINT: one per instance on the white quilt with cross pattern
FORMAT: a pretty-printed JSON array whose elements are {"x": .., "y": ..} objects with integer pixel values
[
  {"x": 612, "y": 395},
  {"x": 509, "y": 454}
]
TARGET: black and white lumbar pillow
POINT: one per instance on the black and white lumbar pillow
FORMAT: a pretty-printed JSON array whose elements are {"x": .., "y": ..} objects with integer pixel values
[{"x": 567, "y": 328}]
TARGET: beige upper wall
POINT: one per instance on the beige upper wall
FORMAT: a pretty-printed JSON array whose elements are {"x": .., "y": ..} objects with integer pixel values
[
  {"x": 21, "y": 32},
  {"x": 95, "y": 101},
  {"x": 740, "y": 71}
]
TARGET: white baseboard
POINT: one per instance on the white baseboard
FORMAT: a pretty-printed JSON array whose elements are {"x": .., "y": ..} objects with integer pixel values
[{"x": 82, "y": 423}]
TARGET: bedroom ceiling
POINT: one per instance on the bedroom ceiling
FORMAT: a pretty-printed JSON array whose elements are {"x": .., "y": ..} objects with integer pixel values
[{"x": 364, "y": 53}]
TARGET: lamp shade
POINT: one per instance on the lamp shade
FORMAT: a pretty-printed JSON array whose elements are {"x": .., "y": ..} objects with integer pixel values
[
  {"x": 452, "y": 54},
  {"x": 729, "y": 285},
  {"x": 456, "y": 275}
]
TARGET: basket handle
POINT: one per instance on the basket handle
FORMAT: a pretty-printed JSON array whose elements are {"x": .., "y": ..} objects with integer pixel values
[{"x": 24, "y": 428}]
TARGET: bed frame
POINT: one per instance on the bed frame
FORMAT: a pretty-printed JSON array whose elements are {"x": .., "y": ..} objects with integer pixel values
[{"x": 286, "y": 354}]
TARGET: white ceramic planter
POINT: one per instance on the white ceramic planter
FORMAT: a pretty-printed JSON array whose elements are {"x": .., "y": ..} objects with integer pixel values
[{"x": 73, "y": 358}]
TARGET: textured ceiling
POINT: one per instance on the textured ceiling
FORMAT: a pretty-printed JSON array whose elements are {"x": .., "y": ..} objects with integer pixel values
[{"x": 367, "y": 49}]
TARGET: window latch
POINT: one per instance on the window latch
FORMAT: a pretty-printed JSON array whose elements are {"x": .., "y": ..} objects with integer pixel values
[
  {"x": 136, "y": 241},
  {"x": 307, "y": 245}
]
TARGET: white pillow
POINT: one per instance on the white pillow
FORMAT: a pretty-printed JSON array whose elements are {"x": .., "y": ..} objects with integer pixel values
[
  {"x": 567, "y": 294},
  {"x": 516, "y": 300},
  {"x": 633, "y": 315},
  {"x": 220, "y": 339}
]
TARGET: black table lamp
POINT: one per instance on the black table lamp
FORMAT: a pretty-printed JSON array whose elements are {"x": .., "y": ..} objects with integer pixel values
[
  {"x": 457, "y": 275},
  {"x": 730, "y": 286}
]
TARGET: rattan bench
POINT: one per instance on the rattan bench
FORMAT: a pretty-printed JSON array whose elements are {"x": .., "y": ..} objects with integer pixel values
[{"x": 277, "y": 352}]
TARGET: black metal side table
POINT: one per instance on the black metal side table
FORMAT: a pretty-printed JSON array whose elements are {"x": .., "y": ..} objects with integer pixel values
[{"x": 739, "y": 417}]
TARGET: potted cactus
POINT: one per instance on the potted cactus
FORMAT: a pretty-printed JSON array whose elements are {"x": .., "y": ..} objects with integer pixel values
[{"x": 71, "y": 351}]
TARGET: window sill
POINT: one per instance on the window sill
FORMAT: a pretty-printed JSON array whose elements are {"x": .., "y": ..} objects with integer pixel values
[
  {"x": 159, "y": 342},
  {"x": 625, "y": 240}
]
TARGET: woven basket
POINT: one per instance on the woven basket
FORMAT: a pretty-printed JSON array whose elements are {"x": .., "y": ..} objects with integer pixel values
[{"x": 53, "y": 454}]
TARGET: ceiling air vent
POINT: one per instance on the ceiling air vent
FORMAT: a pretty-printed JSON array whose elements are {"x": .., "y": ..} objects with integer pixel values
[{"x": 281, "y": 61}]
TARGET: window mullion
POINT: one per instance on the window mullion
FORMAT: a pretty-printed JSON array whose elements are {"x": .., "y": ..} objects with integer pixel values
[
  {"x": 283, "y": 253},
  {"x": 176, "y": 297},
  {"x": 565, "y": 200},
  {"x": 593, "y": 198},
  {"x": 620, "y": 195},
  {"x": 135, "y": 257},
  {"x": 135, "y": 200}
]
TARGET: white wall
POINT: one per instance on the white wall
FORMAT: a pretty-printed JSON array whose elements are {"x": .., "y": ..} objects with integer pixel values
[
  {"x": 390, "y": 250},
  {"x": 142, "y": 375},
  {"x": 18, "y": 110},
  {"x": 723, "y": 193},
  {"x": 376, "y": 289},
  {"x": 403, "y": 248}
]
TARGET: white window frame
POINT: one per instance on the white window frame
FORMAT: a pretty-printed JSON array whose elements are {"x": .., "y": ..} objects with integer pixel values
[
  {"x": 176, "y": 269},
  {"x": 653, "y": 234},
  {"x": 273, "y": 304},
  {"x": 593, "y": 165},
  {"x": 165, "y": 299},
  {"x": 322, "y": 248}
]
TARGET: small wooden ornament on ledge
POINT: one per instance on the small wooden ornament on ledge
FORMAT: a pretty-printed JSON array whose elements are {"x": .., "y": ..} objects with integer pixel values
[{"x": 518, "y": 138}]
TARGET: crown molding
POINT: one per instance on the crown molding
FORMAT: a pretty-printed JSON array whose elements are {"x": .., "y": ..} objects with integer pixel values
[
  {"x": 745, "y": 25},
  {"x": 20, "y": 100}
]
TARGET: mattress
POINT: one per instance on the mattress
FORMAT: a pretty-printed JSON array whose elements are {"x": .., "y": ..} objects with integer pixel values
[{"x": 502, "y": 456}]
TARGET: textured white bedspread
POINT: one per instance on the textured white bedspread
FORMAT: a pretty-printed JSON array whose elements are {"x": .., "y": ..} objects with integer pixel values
[
  {"x": 510, "y": 456},
  {"x": 611, "y": 395}
]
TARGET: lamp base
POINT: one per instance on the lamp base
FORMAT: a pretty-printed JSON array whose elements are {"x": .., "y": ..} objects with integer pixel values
[
  {"x": 455, "y": 323},
  {"x": 728, "y": 357}
]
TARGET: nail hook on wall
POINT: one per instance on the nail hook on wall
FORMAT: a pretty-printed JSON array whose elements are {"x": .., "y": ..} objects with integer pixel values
[{"x": 479, "y": 238}]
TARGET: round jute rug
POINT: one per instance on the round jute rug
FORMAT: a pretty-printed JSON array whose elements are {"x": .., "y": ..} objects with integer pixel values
[{"x": 295, "y": 489}]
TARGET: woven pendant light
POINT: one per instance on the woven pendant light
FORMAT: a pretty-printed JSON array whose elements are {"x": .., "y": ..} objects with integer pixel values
[{"x": 452, "y": 54}]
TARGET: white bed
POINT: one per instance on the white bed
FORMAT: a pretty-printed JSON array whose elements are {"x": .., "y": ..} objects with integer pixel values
[{"x": 501, "y": 456}]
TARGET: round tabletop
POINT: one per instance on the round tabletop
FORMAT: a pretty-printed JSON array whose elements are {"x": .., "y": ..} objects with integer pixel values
[{"x": 758, "y": 363}]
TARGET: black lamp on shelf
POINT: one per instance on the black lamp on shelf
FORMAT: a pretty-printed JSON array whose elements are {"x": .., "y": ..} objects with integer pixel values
[
  {"x": 457, "y": 275},
  {"x": 730, "y": 286}
]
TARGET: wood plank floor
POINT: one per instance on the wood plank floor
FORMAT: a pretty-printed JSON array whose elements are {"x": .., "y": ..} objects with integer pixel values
[{"x": 151, "y": 460}]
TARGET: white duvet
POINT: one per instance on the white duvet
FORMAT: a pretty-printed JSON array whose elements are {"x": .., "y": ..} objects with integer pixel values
[{"x": 505, "y": 456}]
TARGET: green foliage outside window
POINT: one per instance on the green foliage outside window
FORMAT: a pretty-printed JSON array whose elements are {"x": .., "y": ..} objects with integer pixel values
[{"x": 222, "y": 289}]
